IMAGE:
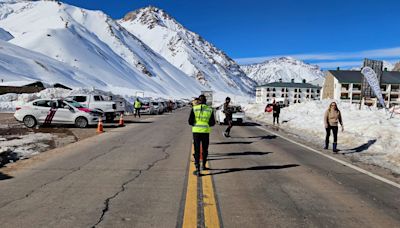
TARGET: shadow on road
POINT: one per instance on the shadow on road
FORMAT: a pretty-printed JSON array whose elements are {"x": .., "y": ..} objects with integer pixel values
[
  {"x": 251, "y": 124},
  {"x": 139, "y": 122},
  {"x": 246, "y": 153},
  {"x": 4, "y": 176},
  {"x": 264, "y": 137},
  {"x": 361, "y": 148},
  {"x": 254, "y": 168},
  {"x": 229, "y": 143}
]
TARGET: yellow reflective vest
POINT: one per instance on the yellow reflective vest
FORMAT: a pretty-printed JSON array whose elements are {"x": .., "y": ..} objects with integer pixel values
[
  {"x": 138, "y": 104},
  {"x": 202, "y": 114}
]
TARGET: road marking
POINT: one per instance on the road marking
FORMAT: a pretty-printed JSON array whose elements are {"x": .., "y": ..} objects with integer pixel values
[
  {"x": 210, "y": 204},
  {"x": 190, "y": 213},
  {"x": 394, "y": 184},
  {"x": 207, "y": 204}
]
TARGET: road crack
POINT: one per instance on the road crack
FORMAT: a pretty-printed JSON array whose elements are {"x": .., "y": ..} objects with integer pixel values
[
  {"x": 60, "y": 178},
  {"x": 107, "y": 201}
]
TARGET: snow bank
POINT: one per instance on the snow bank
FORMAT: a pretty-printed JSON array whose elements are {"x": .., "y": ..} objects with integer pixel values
[
  {"x": 26, "y": 145},
  {"x": 369, "y": 136}
]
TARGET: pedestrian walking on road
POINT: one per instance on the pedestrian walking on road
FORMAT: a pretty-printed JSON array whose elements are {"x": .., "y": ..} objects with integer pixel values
[
  {"x": 332, "y": 119},
  {"x": 228, "y": 111},
  {"x": 138, "y": 106},
  {"x": 201, "y": 119},
  {"x": 276, "y": 110}
]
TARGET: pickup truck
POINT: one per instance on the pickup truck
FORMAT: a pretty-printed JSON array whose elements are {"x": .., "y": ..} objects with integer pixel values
[{"x": 97, "y": 102}]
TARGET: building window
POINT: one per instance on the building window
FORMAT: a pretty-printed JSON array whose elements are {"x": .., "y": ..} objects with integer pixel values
[
  {"x": 295, "y": 90},
  {"x": 267, "y": 94},
  {"x": 299, "y": 90},
  {"x": 312, "y": 91},
  {"x": 273, "y": 95},
  {"x": 283, "y": 95},
  {"x": 395, "y": 88},
  {"x": 273, "y": 90},
  {"x": 317, "y": 90},
  {"x": 283, "y": 90},
  {"x": 299, "y": 96},
  {"x": 295, "y": 96},
  {"x": 357, "y": 87},
  {"x": 267, "y": 89},
  {"x": 308, "y": 90}
]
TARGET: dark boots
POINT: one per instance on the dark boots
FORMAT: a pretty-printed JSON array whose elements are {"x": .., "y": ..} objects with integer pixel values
[
  {"x": 335, "y": 150},
  {"x": 197, "y": 171},
  {"x": 326, "y": 145}
]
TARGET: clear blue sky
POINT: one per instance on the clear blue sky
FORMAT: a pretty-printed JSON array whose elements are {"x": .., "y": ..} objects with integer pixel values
[{"x": 327, "y": 32}]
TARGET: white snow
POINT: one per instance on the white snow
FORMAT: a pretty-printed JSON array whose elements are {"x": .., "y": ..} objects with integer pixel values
[
  {"x": 188, "y": 51},
  {"x": 369, "y": 136},
  {"x": 285, "y": 68},
  {"x": 84, "y": 48},
  {"x": 4, "y": 35},
  {"x": 26, "y": 145}
]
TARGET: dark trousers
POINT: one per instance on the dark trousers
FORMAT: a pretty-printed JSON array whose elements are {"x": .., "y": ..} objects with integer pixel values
[
  {"x": 230, "y": 125},
  {"x": 276, "y": 117},
  {"x": 202, "y": 139},
  {"x": 137, "y": 112},
  {"x": 328, "y": 134}
]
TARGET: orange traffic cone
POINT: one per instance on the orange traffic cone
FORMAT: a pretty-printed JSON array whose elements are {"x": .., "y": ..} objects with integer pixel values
[
  {"x": 121, "y": 121},
  {"x": 100, "y": 126}
]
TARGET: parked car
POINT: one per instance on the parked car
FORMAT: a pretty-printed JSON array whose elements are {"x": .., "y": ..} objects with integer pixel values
[
  {"x": 238, "y": 115},
  {"x": 158, "y": 107},
  {"x": 56, "y": 111},
  {"x": 147, "y": 108},
  {"x": 97, "y": 102}
]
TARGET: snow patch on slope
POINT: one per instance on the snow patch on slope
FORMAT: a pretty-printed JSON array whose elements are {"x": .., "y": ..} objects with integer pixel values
[
  {"x": 285, "y": 68},
  {"x": 187, "y": 51}
]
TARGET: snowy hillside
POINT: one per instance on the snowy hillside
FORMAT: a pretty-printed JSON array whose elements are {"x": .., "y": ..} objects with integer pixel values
[
  {"x": 396, "y": 67},
  {"x": 386, "y": 64},
  {"x": 92, "y": 43},
  {"x": 285, "y": 68},
  {"x": 187, "y": 50}
]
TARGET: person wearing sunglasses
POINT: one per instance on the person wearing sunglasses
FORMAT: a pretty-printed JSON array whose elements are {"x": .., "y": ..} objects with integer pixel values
[{"x": 332, "y": 119}]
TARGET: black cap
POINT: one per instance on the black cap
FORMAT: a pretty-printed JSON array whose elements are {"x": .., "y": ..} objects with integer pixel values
[
  {"x": 202, "y": 99},
  {"x": 227, "y": 98}
]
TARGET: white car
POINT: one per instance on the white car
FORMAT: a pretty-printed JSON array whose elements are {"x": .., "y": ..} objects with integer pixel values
[
  {"x": 238, "y": 115},
  {"x": 147, "y": 108},
  {"x": 158, "y": 107},
  {"x": 56, "y": 111}
]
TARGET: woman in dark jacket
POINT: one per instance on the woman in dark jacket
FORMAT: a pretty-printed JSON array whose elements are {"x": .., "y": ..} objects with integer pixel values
[{"x": 332, "y": 118}]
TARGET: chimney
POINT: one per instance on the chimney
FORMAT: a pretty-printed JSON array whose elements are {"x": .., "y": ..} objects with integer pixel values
[
  {"x": 292, "y": 80},
  {"x": 338, "y": 68},
  {"x": 304, "y": 80},
  {"x": 385, "y": 69},
  {"x": 280, "y": 80}
]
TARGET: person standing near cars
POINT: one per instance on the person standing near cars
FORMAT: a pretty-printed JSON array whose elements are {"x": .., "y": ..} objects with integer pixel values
[
  {"x": 276, "y": 110},
  {"x": 138, "y": 106},
  {"x": 201, "y": 119},
  {"x": 228, "y": 116},
  {"x": 332, "y": 118}
]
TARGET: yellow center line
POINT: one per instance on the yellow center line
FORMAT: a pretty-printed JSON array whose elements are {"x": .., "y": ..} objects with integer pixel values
[
  {"x": 211, "y": 219},
  {"x": 190, "y": 214}
]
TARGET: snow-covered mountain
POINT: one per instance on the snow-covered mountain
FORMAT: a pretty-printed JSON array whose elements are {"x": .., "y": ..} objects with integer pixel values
[
  {"x": 187, "y": 50},
  {"x": 388, "y": 65},
  {"x": 285, "y": 68},
  {"x": 92, "y": 43},
  {"x": 396, "y": 67}
]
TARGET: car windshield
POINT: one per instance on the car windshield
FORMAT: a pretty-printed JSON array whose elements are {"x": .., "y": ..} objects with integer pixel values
[
  {"x": 155, "y": 103},
  {"x": 74, "y": 103}
]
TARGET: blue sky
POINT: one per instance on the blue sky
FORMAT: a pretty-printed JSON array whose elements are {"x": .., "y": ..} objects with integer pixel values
[{"x": 326, "y": 32}]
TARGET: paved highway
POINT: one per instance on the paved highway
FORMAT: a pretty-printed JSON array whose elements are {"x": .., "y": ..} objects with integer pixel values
[{"x": 141, "y": 176}]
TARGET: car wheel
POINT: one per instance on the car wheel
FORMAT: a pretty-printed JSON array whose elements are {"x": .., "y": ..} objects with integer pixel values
[
  {"x": 110, "y": 117},
  {"x": 29, "y": 121},
  {"x": 81, "y": 122}
]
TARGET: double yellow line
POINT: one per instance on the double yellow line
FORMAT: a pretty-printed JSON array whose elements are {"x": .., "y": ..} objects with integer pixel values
[{"x": 207, "y": 204}]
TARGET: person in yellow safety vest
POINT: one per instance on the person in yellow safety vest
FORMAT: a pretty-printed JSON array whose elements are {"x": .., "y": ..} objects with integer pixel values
[
  {"x": 137, "y": 106},
  {"x": 201, "y": 119}
]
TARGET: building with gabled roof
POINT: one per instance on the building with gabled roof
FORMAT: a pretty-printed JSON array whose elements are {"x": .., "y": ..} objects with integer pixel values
[
  {"x": 345, "y": 85},
  {"x": 289, "y": 92}
]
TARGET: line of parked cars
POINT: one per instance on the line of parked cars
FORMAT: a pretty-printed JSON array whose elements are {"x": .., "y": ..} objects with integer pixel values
[
  {"x": 83, "y": 110},
  {"x": 158, "y": 107}
]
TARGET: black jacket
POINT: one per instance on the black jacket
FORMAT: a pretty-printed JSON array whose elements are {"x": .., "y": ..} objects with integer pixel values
[
  {"x": 276, "y": 109},
  {"x": 211, "y": 121}
]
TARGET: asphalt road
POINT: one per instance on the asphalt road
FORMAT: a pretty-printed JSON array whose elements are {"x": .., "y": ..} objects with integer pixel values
[{"x": 140, "y": 176}]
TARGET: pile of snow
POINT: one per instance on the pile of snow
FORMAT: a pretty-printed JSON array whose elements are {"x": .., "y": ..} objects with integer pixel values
[
  {"x": 88, "y": 48},
  {"x": 26, "y": 146},
  {"x": 188, "y": 51},
  {"x": 369, "y": 136},
  {"x": 285, "y": 68}
]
